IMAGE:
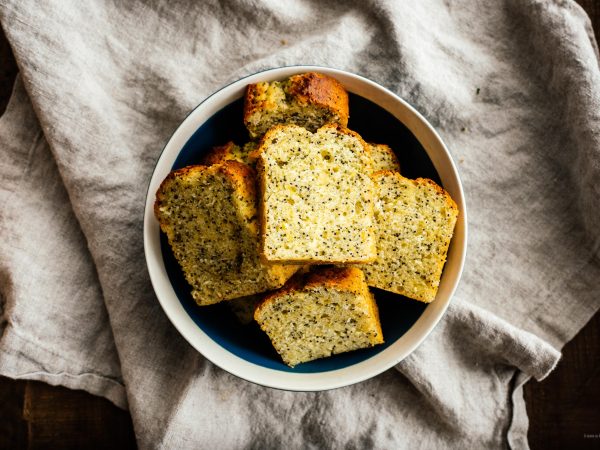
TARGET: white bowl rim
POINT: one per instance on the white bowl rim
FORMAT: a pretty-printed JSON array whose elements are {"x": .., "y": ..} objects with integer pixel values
[{"x": 317, "y": 381}]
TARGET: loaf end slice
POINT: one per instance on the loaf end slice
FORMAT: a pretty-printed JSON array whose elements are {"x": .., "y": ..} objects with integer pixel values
[
  {"x": 325, "y": 312},
  {"x": 229, "y": 152},
  {"x": 310, "y": 100}
]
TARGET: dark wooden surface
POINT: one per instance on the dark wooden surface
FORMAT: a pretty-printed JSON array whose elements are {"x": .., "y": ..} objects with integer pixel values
[{"x": 564, "y": 409}]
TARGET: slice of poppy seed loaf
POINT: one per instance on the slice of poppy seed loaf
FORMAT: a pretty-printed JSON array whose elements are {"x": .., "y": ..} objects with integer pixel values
[
  {"x": 316, "y": 196},
  {"x": 383, "y": 158},
  {"x": 209, "y": 217},
  {"x": 415, "y": 221},
  {"x": 310, "y": 100},
  {"x": 229, "y": 152},
  {"x": 327, "y": 311}
]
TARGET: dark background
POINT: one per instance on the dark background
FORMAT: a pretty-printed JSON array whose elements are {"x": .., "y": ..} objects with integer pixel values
[{"x": 562, "y": 409}]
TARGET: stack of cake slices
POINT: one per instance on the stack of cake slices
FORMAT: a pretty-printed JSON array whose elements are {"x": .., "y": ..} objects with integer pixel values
[{"x": 293, "y": 227}]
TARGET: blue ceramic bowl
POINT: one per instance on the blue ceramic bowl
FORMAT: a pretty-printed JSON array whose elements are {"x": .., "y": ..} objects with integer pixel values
[{"x": 378, "y": 116}]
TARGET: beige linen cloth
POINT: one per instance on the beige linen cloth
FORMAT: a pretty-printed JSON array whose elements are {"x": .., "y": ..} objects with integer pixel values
[{"x": 513, "y": 87}]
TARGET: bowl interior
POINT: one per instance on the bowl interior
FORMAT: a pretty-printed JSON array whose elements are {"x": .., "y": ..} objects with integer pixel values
[
  {"x": 379, "y": 116},
  {"x": 398, "y": 314}
]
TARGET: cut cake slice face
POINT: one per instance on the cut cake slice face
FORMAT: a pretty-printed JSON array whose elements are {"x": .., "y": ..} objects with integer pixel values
[
  {"x": 209, "y": 217},
  {"x": 316, "y": 196},
  {"x": 327, "y": 311},
  {"x": 415, "y": 222}
]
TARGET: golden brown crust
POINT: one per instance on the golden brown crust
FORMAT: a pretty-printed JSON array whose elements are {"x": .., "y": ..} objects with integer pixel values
[
  {"x": 251, "y": 102},
  {"x": 381, "y": 173},
  {"x": 242, "y": 174},
  {"x": 310, "y": 89},
  {"x": 219, "y": 154},
  {"x": 260, "y": 206},
  {"x": 322, "y": 90},
  {"x": 349, "y": 279}
]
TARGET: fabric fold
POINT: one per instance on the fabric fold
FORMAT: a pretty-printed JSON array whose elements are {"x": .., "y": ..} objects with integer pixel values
[
  {"x": 572, "y": 77},
  {"x": 54, "y": 324},
  {"x": 497, "y": 351}
]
